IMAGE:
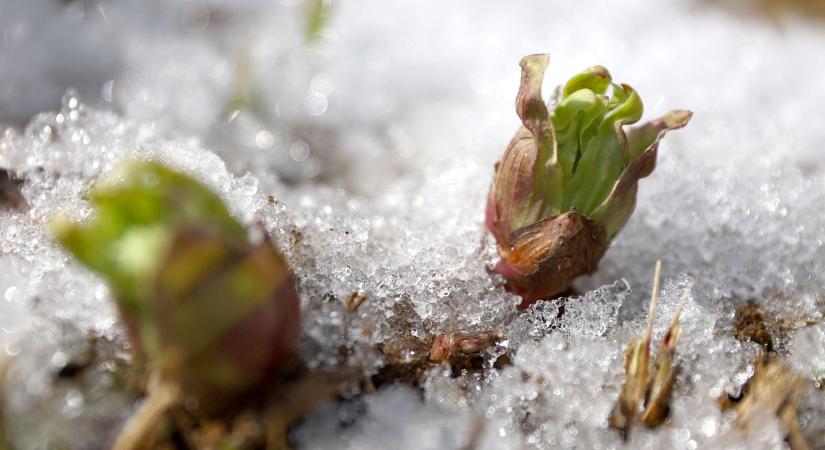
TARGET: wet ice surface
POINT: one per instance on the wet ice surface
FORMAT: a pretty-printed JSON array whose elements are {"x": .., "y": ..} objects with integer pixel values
[{"x": 369, "y": 158}]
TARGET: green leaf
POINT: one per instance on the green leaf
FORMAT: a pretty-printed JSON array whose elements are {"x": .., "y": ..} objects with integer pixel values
[
  {"x": 317, "y": 15},
  {"x": 595, "y": 79},
  {"x": 573, "y": 118},
  {"x": 603, "y": 156},
  {"x": 642, "y": 137},
  {"x": 616, "y": 209}
]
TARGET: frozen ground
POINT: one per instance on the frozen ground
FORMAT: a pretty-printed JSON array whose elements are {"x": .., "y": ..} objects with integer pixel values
[{"x": 376, "y": 145}]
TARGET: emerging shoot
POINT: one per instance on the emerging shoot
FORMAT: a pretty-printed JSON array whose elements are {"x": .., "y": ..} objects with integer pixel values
[
  {"x": 209, "y": 313},
  {"x": 567, "y": 182}
]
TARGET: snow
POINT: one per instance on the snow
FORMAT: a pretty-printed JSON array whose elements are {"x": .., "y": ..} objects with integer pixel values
[{"x": 376, "y": 145}]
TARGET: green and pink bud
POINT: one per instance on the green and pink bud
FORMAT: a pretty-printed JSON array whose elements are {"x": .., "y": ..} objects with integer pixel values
[
  {"x": 567, "y": 182},
  {"x": 205, "y": 308}
]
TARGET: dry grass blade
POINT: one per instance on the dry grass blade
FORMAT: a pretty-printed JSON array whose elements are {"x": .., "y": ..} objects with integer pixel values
[
  {"x": 354, "y": 301},
  {"x": 641, "y": 385},
  {"x": 637, "y": 359},
  {"x": 664, "y": 371}
]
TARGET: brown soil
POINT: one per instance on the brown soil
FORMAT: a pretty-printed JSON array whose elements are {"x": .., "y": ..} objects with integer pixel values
[
  {"x": 10, "y": 195},
  {"x": 750, "y": 325}
]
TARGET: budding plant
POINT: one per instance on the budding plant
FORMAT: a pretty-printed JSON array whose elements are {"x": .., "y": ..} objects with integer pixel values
[
  {"x": 208, "y": 312},
  {"x": 567, "y": 182},
  {"x": 645, "y": 394}
]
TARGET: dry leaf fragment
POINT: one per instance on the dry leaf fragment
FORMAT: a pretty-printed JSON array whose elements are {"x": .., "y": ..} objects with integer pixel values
[
  {"x": 456, "y": 344},
  {"x": 774, "y": 389},
  {"x": 10, "y": 195},
  {"x": 354, "y": 301}
]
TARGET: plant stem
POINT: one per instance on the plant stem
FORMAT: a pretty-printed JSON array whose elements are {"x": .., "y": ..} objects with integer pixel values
[{"x": 141, "y": 430}]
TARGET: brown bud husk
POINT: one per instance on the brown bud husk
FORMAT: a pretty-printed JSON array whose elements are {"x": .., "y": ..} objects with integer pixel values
[
  {"x": 220, "y": 339},
  {"x": 545, "y": 256}
]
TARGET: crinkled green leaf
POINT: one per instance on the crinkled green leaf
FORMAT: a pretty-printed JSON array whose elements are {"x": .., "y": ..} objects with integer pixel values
[
  {"x": 603, "y": 157},
  {"x": 642, "y": 137},
  {"x": 616, "y": 209},
  {"x": 573, "y": 119},
  {"x": 596, "y": 79}
]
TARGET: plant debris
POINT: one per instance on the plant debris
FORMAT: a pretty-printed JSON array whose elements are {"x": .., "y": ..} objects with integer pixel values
[
  {"x": 355, "y": 300},
  {"x": 408, "y": 357},
  {"x": 774, "y": 389},
  {"x": 645, "y": 395},
  {"x": 10, "y": 195},
  {"x": 818, "y": 378},
  {"x": 455, "y": 346},
  {"x": 567, "y": 182}
]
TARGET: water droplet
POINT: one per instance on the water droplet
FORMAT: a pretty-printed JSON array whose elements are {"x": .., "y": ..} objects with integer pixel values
[
  {"x": 59, "y": 359},
  {"x": 108, "y": 90},
  {"x": 74, "y": 399},
  {"x": 264, "y": 139},
  {"x": 11, "y": 348},
  {"x": 299, "y": 151},
  {"x": 316, "y": 104},
  {"x": 322, "y": 84},
  {"x": 10, "y": 293}
]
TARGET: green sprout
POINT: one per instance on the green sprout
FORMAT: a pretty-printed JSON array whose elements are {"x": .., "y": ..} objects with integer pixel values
[
  {"x": 207, "y": 311},
  {"x": 567, "y": 182},
  {"x": 317, "y": 16}
]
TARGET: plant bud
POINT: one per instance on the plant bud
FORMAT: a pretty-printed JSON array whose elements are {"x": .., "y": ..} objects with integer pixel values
[
  {"x": 210, "y": 311},
  {"x": 567, "y": 182}
]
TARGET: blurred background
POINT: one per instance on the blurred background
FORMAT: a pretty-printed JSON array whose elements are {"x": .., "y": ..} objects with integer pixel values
[{"x": 307, "y": 88}]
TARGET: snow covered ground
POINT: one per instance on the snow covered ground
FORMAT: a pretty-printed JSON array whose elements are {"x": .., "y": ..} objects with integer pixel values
[{"x": 368, "y": 154}]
